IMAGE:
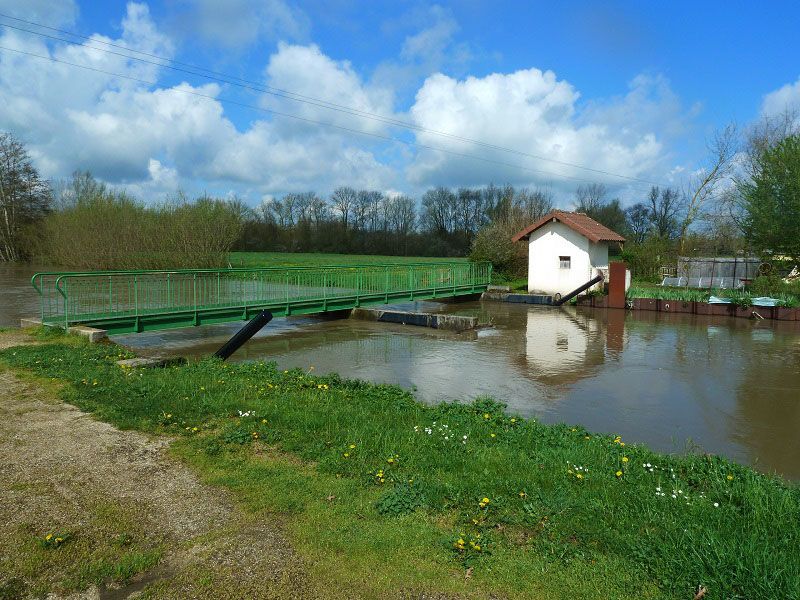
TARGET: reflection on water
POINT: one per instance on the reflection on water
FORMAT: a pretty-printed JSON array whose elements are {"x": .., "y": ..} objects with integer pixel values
[{"x": 729, "y": 386}]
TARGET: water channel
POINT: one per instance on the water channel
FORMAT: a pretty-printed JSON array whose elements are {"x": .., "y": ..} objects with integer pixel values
[{"x": 672, "y": 381}]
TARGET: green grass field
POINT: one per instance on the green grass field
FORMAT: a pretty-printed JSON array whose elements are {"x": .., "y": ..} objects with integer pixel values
[
  {"x": 383, "y": 494},
  {"x": 300, "y": 259}
]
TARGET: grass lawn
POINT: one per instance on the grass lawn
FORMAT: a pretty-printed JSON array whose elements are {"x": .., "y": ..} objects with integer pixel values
[
  {"x": 311, "y": 259},
  {"x": 387, "y": 497}
]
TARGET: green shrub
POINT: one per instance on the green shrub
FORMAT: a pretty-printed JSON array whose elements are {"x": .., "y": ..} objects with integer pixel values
[
  {"x": 773, "y": 286},
  {"x": 493, "y": 244},
  {"x": 94, "y": 230}
]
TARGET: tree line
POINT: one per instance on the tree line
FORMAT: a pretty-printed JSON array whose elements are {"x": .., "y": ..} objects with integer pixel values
[{"x": 443, "y": 223}]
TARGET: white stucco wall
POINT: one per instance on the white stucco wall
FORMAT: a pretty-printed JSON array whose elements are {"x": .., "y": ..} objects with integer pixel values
[{"x": 552, "y": 241}]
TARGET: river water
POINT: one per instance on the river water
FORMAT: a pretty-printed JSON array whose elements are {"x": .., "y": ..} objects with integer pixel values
[{"x": 672, "y": 381}]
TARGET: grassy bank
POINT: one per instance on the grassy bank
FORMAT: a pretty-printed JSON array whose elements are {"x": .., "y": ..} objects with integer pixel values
[
  {"x": 738, "y": 297},
  {"x": 313, "y": 259},
  {"x": 386, "y": 496}
]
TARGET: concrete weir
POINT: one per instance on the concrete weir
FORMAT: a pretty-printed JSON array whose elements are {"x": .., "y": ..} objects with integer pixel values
[
  {"x": 434, "y": 320},
  {"x": 517, "y": 298}
]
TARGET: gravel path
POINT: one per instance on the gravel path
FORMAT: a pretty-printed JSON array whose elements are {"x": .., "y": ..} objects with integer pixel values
[{"x": 60, "y": 466}]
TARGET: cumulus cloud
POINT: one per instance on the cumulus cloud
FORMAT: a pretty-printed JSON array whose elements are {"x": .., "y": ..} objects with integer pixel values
[
  {"x": 157, "y": 138},
  {"x": 239, "y": 23},
  {"x": 530, "y": 111},
  {"x": 306, "y": 71},
  {"x": 784, "y": 98}
]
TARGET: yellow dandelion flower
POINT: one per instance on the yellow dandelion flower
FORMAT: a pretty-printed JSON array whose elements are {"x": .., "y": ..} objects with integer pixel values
[
  {"x": 478, "y": 547},
  {"x": 513, "y": 420},
  {"x": 492, "y": 435},
  {"x": 485, "y": 501},
  {"x": 486, "y": 416},
  {"x": 523, "y": 495},
  {"x": 579, "y": 475},
  {"x": 347, "y": 455},
  {"x": 624, "y": 459},
  {"x": 729, "y": 477},
  {"x": 390, "y": 460},
  {"x": 618, "y": 473},
  {"x": 352, "y": 446},
  {"x": 49, "y": 536}
]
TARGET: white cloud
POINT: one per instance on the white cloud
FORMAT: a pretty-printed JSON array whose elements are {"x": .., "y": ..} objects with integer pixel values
[
  {"x": 534, "y": 112},
  {"x": 784, "y": 98},
  {"x": 306, "y": 71},
  {"x": 239, "y": 23},
  {"x": 156, "y": 139},
  {"x": 48, "y": 12}
]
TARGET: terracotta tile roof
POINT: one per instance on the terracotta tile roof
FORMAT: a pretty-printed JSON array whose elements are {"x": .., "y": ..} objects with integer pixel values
[{"x": 579, "y": 222}]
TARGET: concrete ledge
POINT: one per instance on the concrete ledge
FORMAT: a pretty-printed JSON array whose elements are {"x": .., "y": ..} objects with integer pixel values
[
  {"x": 433, "y": 320},
  {"x": 94, "y": 335},
  {"x": 518, "y": 298},
  {"x": 498, "y": 288},
  {"x": 153, "y": 362}
]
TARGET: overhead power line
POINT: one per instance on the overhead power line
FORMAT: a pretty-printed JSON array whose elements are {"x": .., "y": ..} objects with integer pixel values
[
  {"x": 200, "y": 71},
  {"x": 299, "y": 118}
]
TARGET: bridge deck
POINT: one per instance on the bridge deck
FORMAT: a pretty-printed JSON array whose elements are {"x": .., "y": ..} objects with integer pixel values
[{"x": 135, "y": 301}]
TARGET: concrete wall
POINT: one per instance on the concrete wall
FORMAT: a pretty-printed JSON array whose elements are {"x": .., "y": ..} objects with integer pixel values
[{"x": 553, "y": 240}]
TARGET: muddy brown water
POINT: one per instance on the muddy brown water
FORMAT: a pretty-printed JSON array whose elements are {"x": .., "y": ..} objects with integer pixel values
[{"x": 671, "y": 381}]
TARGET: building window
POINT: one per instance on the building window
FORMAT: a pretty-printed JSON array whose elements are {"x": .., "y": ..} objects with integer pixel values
[{"x": 563, "y": 262}]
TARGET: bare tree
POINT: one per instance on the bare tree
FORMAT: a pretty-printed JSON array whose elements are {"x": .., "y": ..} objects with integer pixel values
[
  {"x": 639, "y": 223},
  {"x": 319, "y": 211},
  {"x": 534, "y": 204},
  {"x": 24, "y": 196},
  {"x": 343, "y": 200},
  {"x": 590, "y": 197},
  {"x": 665, "y": 208},
  {"x": 702, "y": 187},
  {"x": 438, "y": 210},
  {"x": 366, "y": 210}
]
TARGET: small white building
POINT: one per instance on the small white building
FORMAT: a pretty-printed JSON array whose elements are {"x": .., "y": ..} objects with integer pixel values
[{"x": 566, "y": 250}]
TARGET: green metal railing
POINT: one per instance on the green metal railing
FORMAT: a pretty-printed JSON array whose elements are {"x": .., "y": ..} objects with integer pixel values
[{"x": 134, "y": 301}]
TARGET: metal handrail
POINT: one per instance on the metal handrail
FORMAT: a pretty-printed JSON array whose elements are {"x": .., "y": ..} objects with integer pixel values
[{"x": 103, "y": 295}]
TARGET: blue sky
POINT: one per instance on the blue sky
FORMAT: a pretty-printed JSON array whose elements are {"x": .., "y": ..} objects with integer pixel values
[{"x": 632, "y": 89}]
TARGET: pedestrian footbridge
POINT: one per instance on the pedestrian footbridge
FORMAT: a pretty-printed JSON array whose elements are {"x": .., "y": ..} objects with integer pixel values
[{"x": 136, "y": 301}]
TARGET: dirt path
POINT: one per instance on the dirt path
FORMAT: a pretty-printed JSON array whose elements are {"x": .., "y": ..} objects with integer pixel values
[{"x": 60, "y": 469}]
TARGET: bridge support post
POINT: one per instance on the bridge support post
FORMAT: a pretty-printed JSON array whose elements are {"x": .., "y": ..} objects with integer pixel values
[{"x": 244, "y": 334}]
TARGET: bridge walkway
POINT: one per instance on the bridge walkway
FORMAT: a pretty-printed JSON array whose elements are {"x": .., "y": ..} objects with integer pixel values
[{"x": 136, "y": 301}]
